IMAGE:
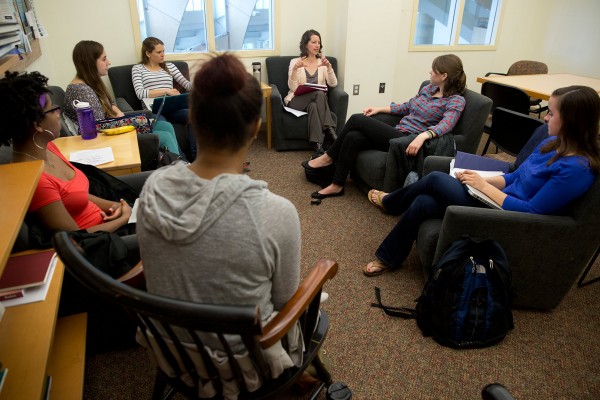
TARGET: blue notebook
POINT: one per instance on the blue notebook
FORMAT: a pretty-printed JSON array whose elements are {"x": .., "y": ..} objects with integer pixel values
[
  {"x": 170, "y": 103},
  {"x": 479, "y": 163}
]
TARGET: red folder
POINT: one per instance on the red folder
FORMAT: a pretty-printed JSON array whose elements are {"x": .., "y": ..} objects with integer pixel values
[
  {"x": 309, "y": 87},
  {"x": 26, "y": 271}
]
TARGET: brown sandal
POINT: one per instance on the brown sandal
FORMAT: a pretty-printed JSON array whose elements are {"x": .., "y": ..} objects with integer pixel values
[
  {"x": 375, "y": 198},
  {"x": 381, "y": 268}
]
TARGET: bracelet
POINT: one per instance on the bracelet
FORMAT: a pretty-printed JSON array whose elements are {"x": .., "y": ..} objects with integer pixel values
[{"x": 431, "y": 134}]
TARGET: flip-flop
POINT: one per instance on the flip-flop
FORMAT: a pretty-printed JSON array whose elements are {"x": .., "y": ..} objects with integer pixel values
[
  {"x": 382, "y": 268},
  {"x": 377, "y": 201}
]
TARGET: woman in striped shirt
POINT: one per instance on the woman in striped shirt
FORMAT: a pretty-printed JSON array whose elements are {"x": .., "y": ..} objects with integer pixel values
[{"x": 153, "y": 77}]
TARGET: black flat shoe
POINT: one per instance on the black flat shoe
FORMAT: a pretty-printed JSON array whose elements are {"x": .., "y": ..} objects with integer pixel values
[
  {"x": 308, "y": 167},
  {"x": 320, "y": 196}
]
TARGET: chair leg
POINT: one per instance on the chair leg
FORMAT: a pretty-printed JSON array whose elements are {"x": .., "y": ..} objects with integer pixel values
[
  {"x": 581, "y": 282},
  {"x": 160, "y": 384},
  {"x": 321, "y": 371},
  {"x": 486, "y": 146}
]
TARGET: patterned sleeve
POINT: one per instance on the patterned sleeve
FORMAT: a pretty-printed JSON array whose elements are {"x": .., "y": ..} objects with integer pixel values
[
  {"x": 400, "y": 109},
  {"x": 178, "y": 76},
  {"x": 138, "y": 85},
  {"x": 82, "y": 92},
  {"x": 454, "y": 109}
]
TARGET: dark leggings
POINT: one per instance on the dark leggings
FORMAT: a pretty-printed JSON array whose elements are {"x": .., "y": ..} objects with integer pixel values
[{"x": 360, "y": 133}]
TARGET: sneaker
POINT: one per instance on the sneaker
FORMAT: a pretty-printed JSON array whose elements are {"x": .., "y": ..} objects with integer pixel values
[{"x": 324, "y": 297}]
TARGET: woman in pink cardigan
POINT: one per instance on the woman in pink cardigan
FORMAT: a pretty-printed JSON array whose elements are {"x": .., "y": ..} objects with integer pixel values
[{"x": 312, "y": 67}]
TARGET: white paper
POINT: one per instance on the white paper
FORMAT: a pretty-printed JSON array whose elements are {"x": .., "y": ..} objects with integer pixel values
[
  {"x": 36, "y": 293},
  {"x": 93, "y": 157},
  {"x": 295, "y": 112},
  {"x": 133, "y": 217}
]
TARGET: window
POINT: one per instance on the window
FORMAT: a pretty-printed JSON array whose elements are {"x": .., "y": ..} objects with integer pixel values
[
  {"x": 455, "y": 24},
  {"x": 199, "y": 26}
]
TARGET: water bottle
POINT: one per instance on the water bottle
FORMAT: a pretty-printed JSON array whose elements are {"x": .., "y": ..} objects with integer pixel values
[
  {"x": 85, "y": 119},
  {"x": 256, "y": 71}
]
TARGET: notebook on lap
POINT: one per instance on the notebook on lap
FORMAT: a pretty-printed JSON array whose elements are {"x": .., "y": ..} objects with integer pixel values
[
  {"x": 484, "y": 198},
  {"x": 161, "y": 101},
  {"x": 171, "y": 103}
]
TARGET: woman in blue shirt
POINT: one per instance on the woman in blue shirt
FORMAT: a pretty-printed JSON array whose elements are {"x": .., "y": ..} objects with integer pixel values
[{"x": 562, "y": 168}]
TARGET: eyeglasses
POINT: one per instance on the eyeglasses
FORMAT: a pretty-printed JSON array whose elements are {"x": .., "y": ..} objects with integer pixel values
[{"x": 53, "y": 109}]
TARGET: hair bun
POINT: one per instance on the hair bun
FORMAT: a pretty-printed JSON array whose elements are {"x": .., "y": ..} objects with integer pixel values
[{"x": 220, "y": 76}]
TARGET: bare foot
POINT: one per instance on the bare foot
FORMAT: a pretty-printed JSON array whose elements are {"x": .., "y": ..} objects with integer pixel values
[
  {"x": 333, "y": 188},
  {"x": 321, "y": 161}
]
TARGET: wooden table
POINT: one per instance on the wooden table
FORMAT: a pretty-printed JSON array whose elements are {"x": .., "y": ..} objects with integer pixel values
[
  {"x": 18, "y": 182},
  {"x": 542, "y": 86},
  {"x": 124, "y": 147},
  {"x": 266, "y": 90},
  {"x": 29, "y": 347}
]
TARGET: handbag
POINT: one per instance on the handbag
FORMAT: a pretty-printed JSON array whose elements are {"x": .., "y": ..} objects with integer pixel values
[{"x": 140, "y": 121}]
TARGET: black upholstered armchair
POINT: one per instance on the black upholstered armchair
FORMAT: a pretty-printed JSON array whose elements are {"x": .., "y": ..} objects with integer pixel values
[
  {"x": 380, "y": 170},
  {"x": 546, "y": 252},
  {"x": 122, "y": 85},
  {"x": 291, "y": 132}
]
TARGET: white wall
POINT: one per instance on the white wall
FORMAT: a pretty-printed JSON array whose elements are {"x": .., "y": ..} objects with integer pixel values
[{"x": 369, "y": 38}]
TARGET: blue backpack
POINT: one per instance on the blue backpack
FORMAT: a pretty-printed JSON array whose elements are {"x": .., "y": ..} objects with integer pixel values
[{"x": 466, "y": 301}]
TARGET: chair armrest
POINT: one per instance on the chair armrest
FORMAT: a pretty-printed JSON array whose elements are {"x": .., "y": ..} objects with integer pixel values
[
  {"x": 496, "y": 73},
  {"x": 436, "y": 163},
  {"x": 508, "y": 227},
  {"x": 338, "y": 104},
  {"x": 123, "y": 105},
  {"x": 136, "y": 180},
  {"x": 295, "y": 307}
]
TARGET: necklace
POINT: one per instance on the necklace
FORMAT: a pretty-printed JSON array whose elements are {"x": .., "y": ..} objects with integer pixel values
[{"x": 35, "y": 158}]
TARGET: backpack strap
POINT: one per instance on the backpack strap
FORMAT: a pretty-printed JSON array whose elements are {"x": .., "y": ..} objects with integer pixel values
[{"x": 401, "y": 312}]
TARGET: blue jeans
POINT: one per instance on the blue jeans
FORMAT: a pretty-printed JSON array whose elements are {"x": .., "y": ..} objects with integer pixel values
[{"x": 425, "y": 199}]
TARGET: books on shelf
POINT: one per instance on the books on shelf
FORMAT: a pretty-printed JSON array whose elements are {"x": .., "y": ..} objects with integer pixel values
[
  {"x": 46, "y": 262},
  {"x": 26, "y": 271},
  {"x": 309, "y": 87},
  {"x": 11, "y": 294}
]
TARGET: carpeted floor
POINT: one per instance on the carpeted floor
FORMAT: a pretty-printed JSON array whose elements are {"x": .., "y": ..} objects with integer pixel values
[{"x": 549, "y": 355}]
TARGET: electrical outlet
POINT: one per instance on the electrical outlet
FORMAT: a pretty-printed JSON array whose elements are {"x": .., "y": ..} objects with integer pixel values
[
  {"x": 382, "y": 87},
  {"x": 355, "y": 90}
]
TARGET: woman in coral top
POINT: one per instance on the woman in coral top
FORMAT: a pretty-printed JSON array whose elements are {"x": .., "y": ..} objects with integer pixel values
[{"x": 61, "y": 200}]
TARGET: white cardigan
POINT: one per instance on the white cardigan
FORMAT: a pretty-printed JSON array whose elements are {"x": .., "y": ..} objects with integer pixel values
[{"x": 324, "y": 77}]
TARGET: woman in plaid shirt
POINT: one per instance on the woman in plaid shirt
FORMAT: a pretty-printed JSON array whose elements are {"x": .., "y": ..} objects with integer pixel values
[{"x": 429, "y": 116}]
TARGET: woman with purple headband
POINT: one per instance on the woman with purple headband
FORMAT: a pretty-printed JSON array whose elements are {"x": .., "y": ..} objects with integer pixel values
[{"x": 61, "y": 200}]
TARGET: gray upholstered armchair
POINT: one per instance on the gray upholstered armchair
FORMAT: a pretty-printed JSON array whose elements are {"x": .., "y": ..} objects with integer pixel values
[
  {"x": 546, "y": 253},
  {"x": 291, "y": 132},
  {"x": 380, "y": 170}
]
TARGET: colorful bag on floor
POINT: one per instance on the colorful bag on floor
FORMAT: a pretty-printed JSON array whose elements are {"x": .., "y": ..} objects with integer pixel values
[
  {"x": 466, "y": 301},
  {"x": 140, "y": 121}
]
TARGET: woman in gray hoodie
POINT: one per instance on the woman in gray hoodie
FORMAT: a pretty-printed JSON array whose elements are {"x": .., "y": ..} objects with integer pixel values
[{"x": 207, "y": 232}]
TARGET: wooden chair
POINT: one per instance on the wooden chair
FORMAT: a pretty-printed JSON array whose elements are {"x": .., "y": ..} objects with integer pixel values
[{"x": 186, "y": 366}]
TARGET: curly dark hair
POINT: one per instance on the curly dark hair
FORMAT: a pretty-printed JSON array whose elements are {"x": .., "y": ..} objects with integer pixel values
[
  {"x": 306, "y": 38},
  {"x": 20, "y": 106}
]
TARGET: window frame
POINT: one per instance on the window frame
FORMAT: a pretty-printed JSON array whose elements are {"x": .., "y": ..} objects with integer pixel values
[
  {"x": 455, "y": 32},
  {"x": 210, "y": 36}
]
